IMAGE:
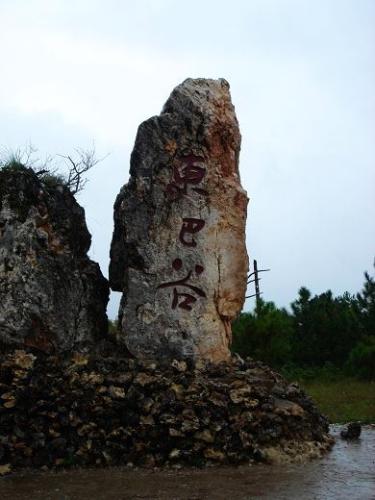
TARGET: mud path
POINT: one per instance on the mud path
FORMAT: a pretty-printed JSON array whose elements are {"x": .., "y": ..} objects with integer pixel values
[{"x": 347, "y": 472}]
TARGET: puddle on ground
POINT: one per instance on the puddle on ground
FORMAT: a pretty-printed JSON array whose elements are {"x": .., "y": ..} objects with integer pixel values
[{"x": 347, "y": 472}]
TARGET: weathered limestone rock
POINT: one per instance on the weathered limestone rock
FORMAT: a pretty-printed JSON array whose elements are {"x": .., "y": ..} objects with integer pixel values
[
  {"x": 178, "y": 250},
  {"x": 52, "y": 296}
]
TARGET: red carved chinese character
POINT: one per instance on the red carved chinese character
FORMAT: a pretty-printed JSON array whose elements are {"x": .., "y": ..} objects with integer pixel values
[
  {"x": 190, "y": 226},
  {"x": 187, "y": 173},
  {"x": 187, "y": 298}
]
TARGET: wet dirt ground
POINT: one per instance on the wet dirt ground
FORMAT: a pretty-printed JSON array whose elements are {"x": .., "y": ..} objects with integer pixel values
[{"x": 347, "y": 472}]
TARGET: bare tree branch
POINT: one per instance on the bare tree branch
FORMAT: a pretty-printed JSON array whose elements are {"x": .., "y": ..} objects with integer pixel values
[
  {"x": 78, "y": 165},
  {"x": 84, "y": 161}
]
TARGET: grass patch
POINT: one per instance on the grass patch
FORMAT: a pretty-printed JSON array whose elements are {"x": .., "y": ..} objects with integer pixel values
[{"x": 343, "y": 400}]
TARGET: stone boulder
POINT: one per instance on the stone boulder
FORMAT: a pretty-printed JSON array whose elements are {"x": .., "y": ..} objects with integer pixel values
[
  {"x": 178, "y": 251},
  {"x": 52, "y": 296}
]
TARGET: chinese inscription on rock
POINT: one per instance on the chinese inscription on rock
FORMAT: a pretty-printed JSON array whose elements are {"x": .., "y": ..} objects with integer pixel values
[
  {"x": 190, "y": 173},
  {"x": 178, "y": 250}
]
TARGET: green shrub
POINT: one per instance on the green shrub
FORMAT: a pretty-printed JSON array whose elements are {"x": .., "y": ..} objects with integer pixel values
[
  {"x": 12, "y": 165},
  {"x": 52, "y": 181},
  {"x": 264, "y": 335},
  {"x": 361, "y": 362},
  {"x": 77, "y": 166},
  {"x": 113, "y": 328}
]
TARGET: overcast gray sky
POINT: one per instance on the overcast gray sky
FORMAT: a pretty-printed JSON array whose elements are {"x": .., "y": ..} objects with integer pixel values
[{"x": 302, "y": 76}]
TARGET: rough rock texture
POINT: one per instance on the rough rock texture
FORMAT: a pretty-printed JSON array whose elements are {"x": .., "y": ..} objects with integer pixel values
[
  {"x": 110, "y": 410},
  {"x": 352, "y": 431},
  {"x": 178, "y": 250},
  {"x": 52, "y": 296}
]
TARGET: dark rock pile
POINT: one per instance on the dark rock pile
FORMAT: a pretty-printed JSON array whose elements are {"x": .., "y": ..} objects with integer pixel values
[
  {"x": 352, "y": 431},
  {"x": 112, "y": 410}
]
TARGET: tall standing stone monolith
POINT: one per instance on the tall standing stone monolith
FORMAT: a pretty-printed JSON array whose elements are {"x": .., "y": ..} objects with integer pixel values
[{"x": 178, "y": 251}]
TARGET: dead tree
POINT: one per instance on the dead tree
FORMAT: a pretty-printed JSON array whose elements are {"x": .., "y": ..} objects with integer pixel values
[
  {"x": 255, "y": 280},
  {"x": 78, "y": 166}
]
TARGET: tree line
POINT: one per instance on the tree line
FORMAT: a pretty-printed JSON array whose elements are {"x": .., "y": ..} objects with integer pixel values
[{"x": 320, "y": 331}]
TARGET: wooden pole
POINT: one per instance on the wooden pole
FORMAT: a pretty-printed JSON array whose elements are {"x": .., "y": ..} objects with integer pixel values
[{"x": 256, "y": 279}]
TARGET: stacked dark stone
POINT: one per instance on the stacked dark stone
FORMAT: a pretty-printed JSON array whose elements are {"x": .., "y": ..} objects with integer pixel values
[
  {"x": 352, "y": 431},
  {"x": 112, "y": 410}
]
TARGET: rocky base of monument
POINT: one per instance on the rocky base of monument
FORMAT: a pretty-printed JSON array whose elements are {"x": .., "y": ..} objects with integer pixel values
[{"x": 112, "y": 410}]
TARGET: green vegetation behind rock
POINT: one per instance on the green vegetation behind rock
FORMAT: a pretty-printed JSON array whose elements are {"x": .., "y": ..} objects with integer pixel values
[{"x": 321, "y": 331}]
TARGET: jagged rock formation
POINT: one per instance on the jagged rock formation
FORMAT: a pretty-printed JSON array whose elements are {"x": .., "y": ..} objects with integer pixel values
[
  {"x": 52, "y": 296},
  {"x": 178, "y": 250}
]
